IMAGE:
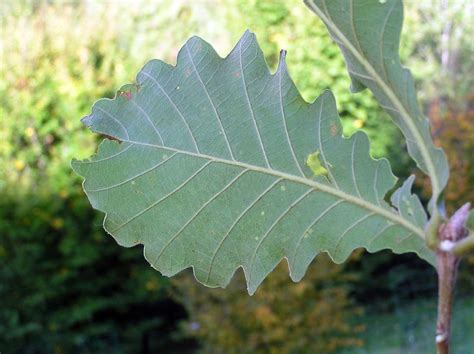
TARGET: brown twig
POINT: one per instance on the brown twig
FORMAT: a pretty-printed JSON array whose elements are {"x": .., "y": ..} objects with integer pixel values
[{"x": 450, "y": 232}]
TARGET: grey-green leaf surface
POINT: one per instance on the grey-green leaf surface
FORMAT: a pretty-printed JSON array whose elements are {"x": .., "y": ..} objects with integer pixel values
[
  {"x": 211, "y": 171},
  {"x": 368, "y": 33}
]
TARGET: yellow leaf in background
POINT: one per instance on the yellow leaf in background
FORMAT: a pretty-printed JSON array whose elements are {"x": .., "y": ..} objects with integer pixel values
[
  {"x": 19, "y": 165},
  {"x": 57, "y": 223},
  {"x": 280, "y": 39},
  {"x": 358, "y": 123},
  {"x": 265, "y": 315},
  {"x": 29, "y": 132},
  {"x": 151, "y": 285}
]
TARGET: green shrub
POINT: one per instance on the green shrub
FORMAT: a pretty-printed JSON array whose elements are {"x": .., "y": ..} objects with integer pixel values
[
  {"x": 281, "y": 318},
  {"x": 65, "y": 289}
]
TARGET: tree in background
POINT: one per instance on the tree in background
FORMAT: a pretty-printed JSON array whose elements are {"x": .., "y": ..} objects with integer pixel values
[
  {"x": 280, "y": 318},
  {"x": 63, "y": 288}
]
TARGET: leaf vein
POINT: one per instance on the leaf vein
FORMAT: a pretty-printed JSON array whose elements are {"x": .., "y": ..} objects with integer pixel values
[
  {"x": 321, "y": 145},
  {"x": 148, "y": 118},
  {"x": 290, "y": 144},
  {"x": 133, "y": 177},
  {"x": 221, "y": 126},
  {"x": 381, "y": 48},
  {"x": 376, "y": 177},
  {"x": 328, "y": 189},
  {"x": 353, "y": 166},
  {"x": 349, "y": 229},
  {"x": 163, "y": 198},
  {"x": 274, "y": 224},
  {"x": 115, "y": 120},
  {"x": 380, "y": 233},
  {"x": 108, "y": 157},
  {"x": 313, "y": 223},
  {"x": 250, "y": 107},
  {"x": 194, "y": 216},
  {"x": 236, "y": 221},
  {"x": 175, "y": 107}
]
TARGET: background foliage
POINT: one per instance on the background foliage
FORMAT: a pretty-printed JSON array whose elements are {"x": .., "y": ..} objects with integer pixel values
[
  {"x": 67, "y": 287},
  {"x": 280, "y": 318}
]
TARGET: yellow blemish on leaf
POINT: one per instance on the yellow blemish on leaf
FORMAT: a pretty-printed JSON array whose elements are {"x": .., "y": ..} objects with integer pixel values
[
  {"x": 282, "y": 188},
  {"x": 313, "y": 162}
]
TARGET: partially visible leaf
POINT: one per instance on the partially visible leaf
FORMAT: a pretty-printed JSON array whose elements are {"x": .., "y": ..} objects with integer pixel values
[
  {"x": 470, "y": 221},
  {"x": 368, "y": 33},
  {"x": 212, "y": 172}
]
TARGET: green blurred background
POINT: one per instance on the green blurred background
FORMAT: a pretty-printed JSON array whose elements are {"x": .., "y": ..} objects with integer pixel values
[{"x": 66, "y": 287}]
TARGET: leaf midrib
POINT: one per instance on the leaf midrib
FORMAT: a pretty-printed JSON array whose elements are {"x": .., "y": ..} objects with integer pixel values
[
  {"x": 389, "y": 92},
  {"x": 305, "y": 181}
]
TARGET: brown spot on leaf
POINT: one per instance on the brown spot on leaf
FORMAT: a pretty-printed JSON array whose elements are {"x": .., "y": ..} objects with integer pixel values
[
  {"x": 333, "y": 129},
  {"x": 127, "y": 94},
  {"x": 111, "y": 138}
]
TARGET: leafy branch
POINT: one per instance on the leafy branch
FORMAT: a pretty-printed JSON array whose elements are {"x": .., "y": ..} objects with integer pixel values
[
  {"x": 221, "y": 165},
  {"x": 368, "y": 35}
]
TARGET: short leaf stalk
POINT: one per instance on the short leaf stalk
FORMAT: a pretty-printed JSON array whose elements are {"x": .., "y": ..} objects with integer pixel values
[
  {"x": 464, "y": 246},
  {"x": 450, "y": 234}
]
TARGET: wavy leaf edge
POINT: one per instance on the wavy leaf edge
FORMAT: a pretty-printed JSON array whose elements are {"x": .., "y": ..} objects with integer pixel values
[{"x": 130, "y": 88}]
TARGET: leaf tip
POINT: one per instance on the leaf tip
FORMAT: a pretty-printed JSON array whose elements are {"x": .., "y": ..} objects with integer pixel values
[
  {"x": 194, "y": 41},
  {"x": 248, "y": 32},
  {"x": 408, "y": 184},
  {"x": 328, "y": 95},
  {"x": 356, "y": 85},
  {"x": 87, "y": 120},
  {"x": 248, "y": 35}
]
